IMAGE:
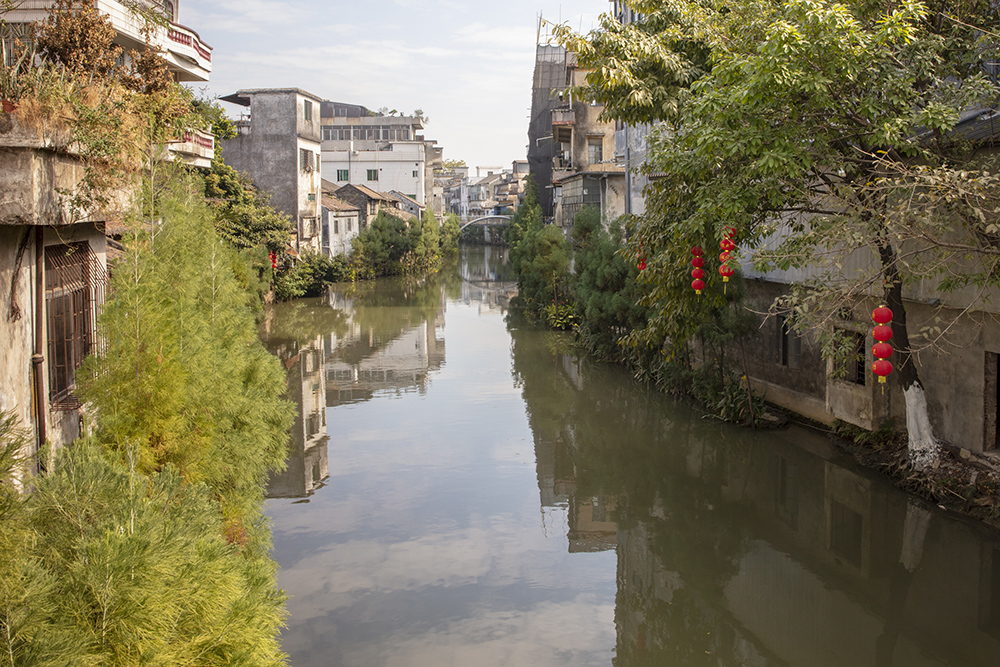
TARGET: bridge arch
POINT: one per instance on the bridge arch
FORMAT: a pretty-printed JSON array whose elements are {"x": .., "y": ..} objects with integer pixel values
[{"x": 487, "y": 220}]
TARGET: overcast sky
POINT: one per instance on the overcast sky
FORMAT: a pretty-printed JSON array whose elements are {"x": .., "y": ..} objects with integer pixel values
[{"x": 466, "y": 64}]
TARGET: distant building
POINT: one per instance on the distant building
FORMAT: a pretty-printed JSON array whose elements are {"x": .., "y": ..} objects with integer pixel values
[
  {"x": 367, "y": 201},
  {"x": 382, "y": 153},
  {"x": 408, "y": 204},
  {"x": 278, "y": 145},
  {"x": 341, "y": 223}
]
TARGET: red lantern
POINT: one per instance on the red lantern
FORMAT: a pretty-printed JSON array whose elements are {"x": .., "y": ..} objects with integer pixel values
[
  {"x": 727, "y": 244},
  {"x": 641, "y": 265},
  {"x": 881, "y": 368},
  {"x": 698, "y": 262},
  {"x": 882, "y": 333},
  {"x": 725, "y": 271},
  {"x": 724, "y": 257},
  {"x": 274, "y": 259},
  {"x": 882, "y": 315},
  {"x": 881, "y": 350},
  {"x": 696, "y": 251},
  {"x": 698, "y": 274},
  {"x": 697, "y": 285}
]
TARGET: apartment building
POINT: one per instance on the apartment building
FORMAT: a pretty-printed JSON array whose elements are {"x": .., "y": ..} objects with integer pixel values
[
  {"x": 186, "y": 54},
  {"x": 380, "y": 152}
]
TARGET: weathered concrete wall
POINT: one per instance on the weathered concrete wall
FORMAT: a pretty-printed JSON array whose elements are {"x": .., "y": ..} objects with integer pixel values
[
  {"x": 956, "y": 371},
  {"x": 269, "y": 152},
  {"x": 17, "y": 337}
]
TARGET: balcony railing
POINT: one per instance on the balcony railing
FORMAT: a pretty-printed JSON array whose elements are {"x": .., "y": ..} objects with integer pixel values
[
  {"x": 196, "y": 148},
  {"x": 188, "y": 57},
  {"x": 563, "y": 117}
]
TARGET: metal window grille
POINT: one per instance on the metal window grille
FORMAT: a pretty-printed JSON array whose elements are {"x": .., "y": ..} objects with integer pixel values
[{"x": 75, "y": 284}]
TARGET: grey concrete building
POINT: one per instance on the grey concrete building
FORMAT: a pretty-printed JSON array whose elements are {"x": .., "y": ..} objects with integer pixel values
[
  {"x": 53, "y": 264},
  {"x": 278, "y": 145}
]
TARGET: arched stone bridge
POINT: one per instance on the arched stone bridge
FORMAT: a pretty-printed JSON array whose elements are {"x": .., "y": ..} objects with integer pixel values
[{"x": 487, "y": 221}]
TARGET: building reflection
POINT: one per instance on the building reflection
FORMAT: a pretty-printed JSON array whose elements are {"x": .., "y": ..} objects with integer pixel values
[
  {"x": 376, "y": 354},
  {"x": 306, "y": 466},
  {"x": 487, "y": 280},
  {"x": 741, "y": 548}
]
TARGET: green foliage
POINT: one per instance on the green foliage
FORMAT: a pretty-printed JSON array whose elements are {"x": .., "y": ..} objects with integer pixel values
[
  {"x": 450, "y": 231},
  {"x": 311, "y": 275},
  {"x": 383, "y": 248},
  {"x": 884, "y": 436},
  {"x": 805, "y": 135},
  {"x": 605, "y": 285},
  {"x": 540, "y": 256},
  {"x": 244, "y": 216},
  {"x": 127, "y": 569},
  {"x": 182, "y": 378}
]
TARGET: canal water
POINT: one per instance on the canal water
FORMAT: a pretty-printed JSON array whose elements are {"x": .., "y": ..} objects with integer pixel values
[{"x": 463, "y": 490}]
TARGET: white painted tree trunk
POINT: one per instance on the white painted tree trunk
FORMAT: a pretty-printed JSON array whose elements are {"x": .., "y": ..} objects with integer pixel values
[{"x": 922, "y": 447}]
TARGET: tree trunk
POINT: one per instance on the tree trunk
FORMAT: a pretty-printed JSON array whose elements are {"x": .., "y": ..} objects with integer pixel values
[{"x": 922, "y": 447}]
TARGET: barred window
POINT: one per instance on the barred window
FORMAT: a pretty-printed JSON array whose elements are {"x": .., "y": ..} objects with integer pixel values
[{"x": 74, "y": 289}]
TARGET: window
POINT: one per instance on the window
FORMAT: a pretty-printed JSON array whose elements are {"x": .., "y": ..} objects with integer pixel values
[
  {"x": 305, "y": 159},
  {"x": 595, "y": 150},
  {"x": 850, "y": 363},
  {"x": 307, "y": 110},
  {"x": 342, "y": 175},
  {"x": 336, "y": 226},
  {"x": 373, "y": 174},
  {"x": 789, "y": 344},
  {"x": 416, "y": 173},
  {"x": 74, "y": 289},
  {"x": 318, "y": 165}
]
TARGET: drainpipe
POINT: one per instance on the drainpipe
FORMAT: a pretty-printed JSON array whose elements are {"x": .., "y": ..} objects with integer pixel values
[{"x": 38, "y": 358}]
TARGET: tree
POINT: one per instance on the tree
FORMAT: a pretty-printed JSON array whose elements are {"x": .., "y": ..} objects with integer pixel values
[
  {"x": 604, "y": 285},
  {"x": 823, "y": 134}
]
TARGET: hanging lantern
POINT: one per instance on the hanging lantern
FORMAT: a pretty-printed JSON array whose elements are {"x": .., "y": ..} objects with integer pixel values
[
  {"x": 881, "y": 368},
  {"x": 882, "y": 315},
  {"x": 642, "y": 264},
  {"x": 882, "y": 333},
  {"x": 881, "y": 350},
  {"x": 724, "y": 257},
  {"x": 697, "y": 273},
  {"x": 274, "y": 259},
  {"x": 726, "y": 271},
  {"x": 727, "y": 244}
]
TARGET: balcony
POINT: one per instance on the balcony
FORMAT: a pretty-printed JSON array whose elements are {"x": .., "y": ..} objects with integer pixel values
[
  {"x": 196, "y": 148},
  {"x": 563, "y": 117},
  {"x": 188, "y": 57}
]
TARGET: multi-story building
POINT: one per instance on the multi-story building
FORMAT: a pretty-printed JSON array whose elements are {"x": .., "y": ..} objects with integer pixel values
[
  {"x": 571, "y": 153},
  {"x": 278, "y": 145},
  {"x": 53, "y": 259},
  {"x": 584, "y": 169},
  {"x": 380, "y": 152},
  {"x": 187, "y": 56}
]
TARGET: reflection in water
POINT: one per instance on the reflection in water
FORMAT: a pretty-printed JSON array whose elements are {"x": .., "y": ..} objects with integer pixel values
[
  {"x": 664, "y": 538},
  {"x": 740, "y": 548}
]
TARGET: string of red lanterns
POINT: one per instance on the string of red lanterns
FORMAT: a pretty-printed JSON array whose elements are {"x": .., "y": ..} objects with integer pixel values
[
  {"x": 882, "y": 350},
  {"x": 697, "y": 272},
  {"x": 273, "y": 256},
  {"x": 728, "y": 245}
]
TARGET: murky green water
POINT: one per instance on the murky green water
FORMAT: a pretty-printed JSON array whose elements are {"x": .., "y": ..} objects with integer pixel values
[{"x": 463, "y": 492}]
